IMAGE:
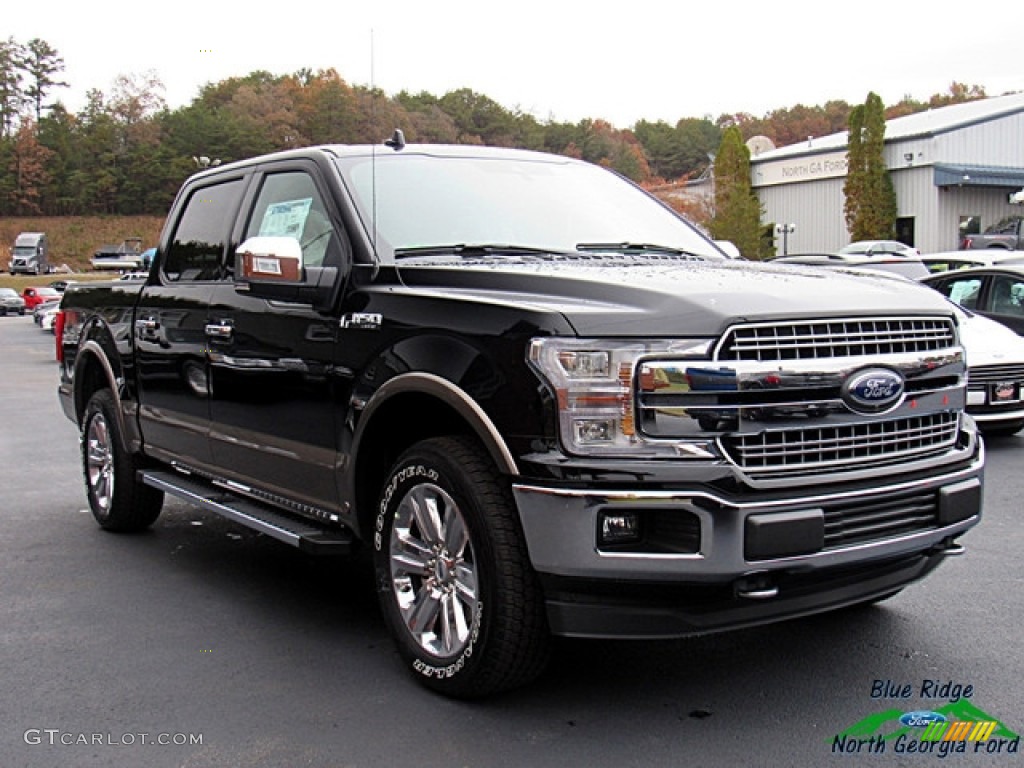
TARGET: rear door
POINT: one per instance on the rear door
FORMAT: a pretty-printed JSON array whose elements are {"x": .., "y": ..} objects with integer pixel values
[
  {"x": 272, "y": 377},
  {"x": 170, "y": 325}
]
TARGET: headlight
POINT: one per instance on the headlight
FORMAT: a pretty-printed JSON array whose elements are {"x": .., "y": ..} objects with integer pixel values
[{"x": 594, "y": 382}]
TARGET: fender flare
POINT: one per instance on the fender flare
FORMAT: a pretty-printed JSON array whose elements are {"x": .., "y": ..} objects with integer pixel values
[
  {"x": 454, "y": 397},
  {"x": 93, "y": 349}
]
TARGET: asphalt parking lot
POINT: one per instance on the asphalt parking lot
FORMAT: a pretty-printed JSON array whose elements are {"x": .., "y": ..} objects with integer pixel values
[{"x": 201, "y": 644}]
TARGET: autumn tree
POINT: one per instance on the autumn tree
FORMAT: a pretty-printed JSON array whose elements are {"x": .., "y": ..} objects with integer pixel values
[
  {"x": 27, "y": 166},
  {"x": 737, "y": 215},
  {"x": 870, "y": 205}
]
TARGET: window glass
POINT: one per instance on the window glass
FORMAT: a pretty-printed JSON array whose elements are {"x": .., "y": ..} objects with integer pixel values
[
  {"x": 970, "y": 225},
  {"x": 201, "y": 236},
  {"x": 289, "y": 205},
  {"x": 423, "y": 201},
  {"x": 1007, "y": 296},
  {"x": 963, "y": 292}
]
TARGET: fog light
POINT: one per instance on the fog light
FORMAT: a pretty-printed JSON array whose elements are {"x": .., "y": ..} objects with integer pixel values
[
  {"x": 590, "y": 431},
  {"x": 620, "y": 528}
]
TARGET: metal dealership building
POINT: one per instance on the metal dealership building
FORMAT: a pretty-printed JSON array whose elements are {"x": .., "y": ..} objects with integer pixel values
[{"x": 954, "y": 170}]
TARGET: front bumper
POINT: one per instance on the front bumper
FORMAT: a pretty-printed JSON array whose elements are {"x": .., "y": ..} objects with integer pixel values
[{"x": 751, "y": 560}]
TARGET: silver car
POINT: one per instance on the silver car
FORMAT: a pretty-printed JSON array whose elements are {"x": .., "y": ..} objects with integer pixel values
[{"x": 11, "y": 303}]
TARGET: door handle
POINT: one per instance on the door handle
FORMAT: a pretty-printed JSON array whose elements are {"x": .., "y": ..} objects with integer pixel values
[{"x": 147, "y": 327}]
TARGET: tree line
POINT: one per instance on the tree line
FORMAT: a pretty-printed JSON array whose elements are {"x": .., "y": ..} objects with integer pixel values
[{"x": 126, "y": 152}]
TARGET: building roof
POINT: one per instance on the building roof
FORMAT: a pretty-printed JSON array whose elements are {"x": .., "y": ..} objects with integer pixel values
[{"x": 922, "y": 124}]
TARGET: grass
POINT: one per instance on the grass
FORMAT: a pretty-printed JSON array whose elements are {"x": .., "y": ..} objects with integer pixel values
[
  {"x": 20, "y": 282},
  {"x": 74, "y": 239}
]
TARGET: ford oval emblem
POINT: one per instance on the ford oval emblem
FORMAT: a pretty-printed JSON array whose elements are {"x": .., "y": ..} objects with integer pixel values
[
  {"x": 922, "y": 718},
  {"x": 873, "y": 389}
]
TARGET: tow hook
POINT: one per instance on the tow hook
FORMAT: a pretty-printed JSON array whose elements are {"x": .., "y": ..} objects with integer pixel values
[
  {"x": 950, "y": 548},
  {"x": 756, "y": 586}
]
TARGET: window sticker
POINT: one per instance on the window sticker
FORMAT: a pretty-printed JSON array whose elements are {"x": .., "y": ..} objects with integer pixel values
[{"x": 286, "y": 219}]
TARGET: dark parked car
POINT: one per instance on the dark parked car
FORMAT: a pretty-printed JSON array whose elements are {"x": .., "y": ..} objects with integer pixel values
[
  {"x": 996, "y": 292},
  {"x": 1007, "y": 234},
  {"x": 11, "y": 303}
]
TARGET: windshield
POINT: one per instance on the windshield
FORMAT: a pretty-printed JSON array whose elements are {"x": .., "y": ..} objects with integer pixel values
[
  {"x": 423, "y": 201},
  {"x": 24, "y": 250}
]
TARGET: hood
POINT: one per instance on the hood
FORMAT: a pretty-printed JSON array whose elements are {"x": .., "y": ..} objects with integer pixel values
[
  {"x": 990, "y": 343},
  {"x": 614, "y": 297}
]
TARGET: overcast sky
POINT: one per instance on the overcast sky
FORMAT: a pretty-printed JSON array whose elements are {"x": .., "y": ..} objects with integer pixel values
[{"x": 563, "y": 60}]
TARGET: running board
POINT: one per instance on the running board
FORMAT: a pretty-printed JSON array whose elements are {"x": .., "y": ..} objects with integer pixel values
[{"x": 298, "y": 533}]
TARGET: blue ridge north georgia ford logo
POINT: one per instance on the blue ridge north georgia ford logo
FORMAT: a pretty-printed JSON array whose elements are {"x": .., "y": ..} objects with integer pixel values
[{"x": 873, "y": 389}]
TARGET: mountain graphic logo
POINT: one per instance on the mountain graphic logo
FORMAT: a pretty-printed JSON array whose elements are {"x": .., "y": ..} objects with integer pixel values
[{"x": 888, "y": 727}]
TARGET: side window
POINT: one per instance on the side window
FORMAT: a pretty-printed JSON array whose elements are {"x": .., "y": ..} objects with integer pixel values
[
  {"x": 289, "y": 205},
  {"x": 1007, "y": 296},
  {"x": 963, "y": 292},
  {"x": 202, "y": 233}
]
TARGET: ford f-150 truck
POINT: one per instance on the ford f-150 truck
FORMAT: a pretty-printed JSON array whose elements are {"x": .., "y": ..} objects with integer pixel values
[
  {"x": 1007, "y": 234},
  {"x": 545, "y": 402}
]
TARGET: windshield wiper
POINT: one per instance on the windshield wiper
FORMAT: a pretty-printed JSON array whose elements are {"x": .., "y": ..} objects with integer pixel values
[
  {"x": 473, "y": 250},
  {"x": 631, "y": 248}
]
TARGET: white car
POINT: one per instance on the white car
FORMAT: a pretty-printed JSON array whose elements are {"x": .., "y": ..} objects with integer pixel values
[
  {"x": 995, "y": 374},
  {"x": 48, "y": 317},
  {"x": 948, "y": 260},
  {"x": 879, "y": 248}
]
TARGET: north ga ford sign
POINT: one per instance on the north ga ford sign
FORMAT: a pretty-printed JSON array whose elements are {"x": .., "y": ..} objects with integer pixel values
[{"x": 825, "y": 166}]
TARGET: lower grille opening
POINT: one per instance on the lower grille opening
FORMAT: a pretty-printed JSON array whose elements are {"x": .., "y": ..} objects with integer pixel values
[{"x": 854, "y": 522}]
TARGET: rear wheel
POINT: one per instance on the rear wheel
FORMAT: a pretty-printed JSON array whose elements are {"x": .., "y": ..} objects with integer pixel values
[
  {"x": 118, "y": 500},
  {"x": 456, "y": 586}
]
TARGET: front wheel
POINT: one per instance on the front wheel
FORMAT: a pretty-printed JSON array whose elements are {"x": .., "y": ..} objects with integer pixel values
[
  {"x": 118, "y": 500},
  {"x": 456, "y": 587}
]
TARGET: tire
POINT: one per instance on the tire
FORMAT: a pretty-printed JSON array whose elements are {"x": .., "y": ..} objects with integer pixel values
[
  {"x": 118, "y": 500},
  {"x": 455, "y": 584}
]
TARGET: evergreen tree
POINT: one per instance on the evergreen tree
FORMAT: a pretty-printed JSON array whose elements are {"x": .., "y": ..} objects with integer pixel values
[
  {"x": 870, "y": 205},
  {"x": 737, "y": 214},
  {"x": 42, "y": 63},
  {"x": 854, "y": 185},
  {"x": 12, "y": 95}
]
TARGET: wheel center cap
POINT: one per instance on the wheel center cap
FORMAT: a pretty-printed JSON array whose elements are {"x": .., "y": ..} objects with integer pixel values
[{"x": 443, "y": 568}]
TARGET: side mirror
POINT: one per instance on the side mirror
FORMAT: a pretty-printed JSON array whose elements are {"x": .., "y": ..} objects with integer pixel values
[
  {"x": 271, "y": 268},
  {"x": 272, "y": 259}
]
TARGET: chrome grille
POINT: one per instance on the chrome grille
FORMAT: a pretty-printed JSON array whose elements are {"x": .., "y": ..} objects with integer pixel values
[
  {"x": 981, "y": 375},
  {"x": 836, "y": 338},
  {"x": 816, "y": 449}
]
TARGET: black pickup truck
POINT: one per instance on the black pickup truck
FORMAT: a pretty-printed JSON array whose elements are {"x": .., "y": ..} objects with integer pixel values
[{"x": 546, "y": 403}]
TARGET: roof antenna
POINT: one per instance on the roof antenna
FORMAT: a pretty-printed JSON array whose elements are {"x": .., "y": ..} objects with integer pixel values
[{"x": 397, "y": 140}]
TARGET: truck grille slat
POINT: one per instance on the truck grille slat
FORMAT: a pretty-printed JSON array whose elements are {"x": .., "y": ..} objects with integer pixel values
[
  {"x": 821, "y": 447},
  {"x": 978, "y": 377},
  {"x": 839, "y": 338}
]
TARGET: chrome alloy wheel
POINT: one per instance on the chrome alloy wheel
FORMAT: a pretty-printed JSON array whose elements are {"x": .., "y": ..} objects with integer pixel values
[
  {"x": 100, "y": 461},
  {"x": 433, "y": 570}
]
